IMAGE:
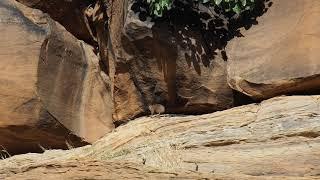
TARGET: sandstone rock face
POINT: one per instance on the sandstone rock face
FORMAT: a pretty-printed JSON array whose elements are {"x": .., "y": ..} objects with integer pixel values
[
  {"x": 277, "y": 139},
  {"x": 71, "y": 86},
  {"x": 24, "y": 123},
  {"x": 93, "y": 169},
  {"x": 147, "y": 64},
  {"x": 280, "y": 136},
  {"x": 19, "y": 49},
  {"x": 281, "y": 54},
  {"x": 29, "y": 86},
  {"x": 155, "y": 64},
  {"x": 70, "y": 13}
]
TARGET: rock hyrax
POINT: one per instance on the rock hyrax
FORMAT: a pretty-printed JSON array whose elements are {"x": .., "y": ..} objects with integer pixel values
[{"x": 156, "y": 109}]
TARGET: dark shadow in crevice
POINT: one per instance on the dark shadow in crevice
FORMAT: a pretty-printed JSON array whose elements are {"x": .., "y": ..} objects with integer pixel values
[
  {"x": 69, "y": 14},
  {"x": 47, "y": 134},
  {"x": 241, "y": 99}
]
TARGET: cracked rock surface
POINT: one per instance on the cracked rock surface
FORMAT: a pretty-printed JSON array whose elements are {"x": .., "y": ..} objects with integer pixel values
[{"x": 279, "y": 138}]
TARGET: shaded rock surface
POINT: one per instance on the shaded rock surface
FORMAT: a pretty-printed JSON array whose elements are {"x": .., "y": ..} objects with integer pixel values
[
  {"x": 146, "y": 64},
  {"x": 30, "y": 41},
  {"x": 70, "y": 13},
  {"x": 281, "y": 54},
  {"x": 279, "y": 138},
  {"x": 165, "y": 64}
]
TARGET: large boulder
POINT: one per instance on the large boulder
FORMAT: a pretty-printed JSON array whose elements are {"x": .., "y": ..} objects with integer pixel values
[
  {"x": 25, "y": 124},
  {"x": 71, "y": 85},
  {"x": 69, "y": 13},
  {"x": 32, "y": 51},
  {"x": 153, "y": 62},
  {"x": 147, "y": 62},
  {"x": 277, "y": 139},
  {"x": 280, "y": 136},
  {"x": 281, "y": 54}
]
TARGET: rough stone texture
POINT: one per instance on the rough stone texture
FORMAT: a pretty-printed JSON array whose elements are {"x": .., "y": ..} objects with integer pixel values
[
  {"x": 20, "y": 46},
  {"x": 27, "y": 116},
  {"x": 279, "y": 138},
  {"x": 70, "y": 13},
  {"x": 148, "y": 64},
  {"x": 155, "y": 64},
  {"x": 90, "y": 169},
  {"x": 281, "y": 54},
  {"x": 71, "y": 86},
  {"x": 25, "y": 123}
]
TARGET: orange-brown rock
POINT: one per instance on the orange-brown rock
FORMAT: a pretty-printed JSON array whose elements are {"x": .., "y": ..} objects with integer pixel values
[
  {"x": 71, "y": 87},
  {"x": 277, "y": 139},
  {"x": 147, "y": 64},
  {"x": 47, "y": 76},
  {"x": 69, "y": 13},
  {"x": 280, "y": 136},
  {"x": 281, "y": 54},
  {"x": 155, "y": 63}
]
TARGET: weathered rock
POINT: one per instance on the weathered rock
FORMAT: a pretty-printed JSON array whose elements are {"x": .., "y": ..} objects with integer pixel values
[
  {"x": 92, "y": 169},
  {"x": 71, "y": 86},
  {"x": 30, "y": 87},
  {"x": 69, "y": 13},
  {"x": 149, "y": 63},
  {"x": 281, "y": 54},
  {"x": 279, "y": 138},
  {"x": 25, "y": 124},
  {"x": 155, "y": 63}
]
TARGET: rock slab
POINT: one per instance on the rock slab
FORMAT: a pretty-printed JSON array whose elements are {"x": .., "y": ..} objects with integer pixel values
[
  {"x": 43, "y": 65},
  {"x": 281, "y": 54},
  {"x": 156, "y": 63},
  {"x": 279, "y": 138}
]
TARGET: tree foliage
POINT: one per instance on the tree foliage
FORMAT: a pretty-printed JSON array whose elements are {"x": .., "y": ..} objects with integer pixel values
[{"x": 158, "y": 7}]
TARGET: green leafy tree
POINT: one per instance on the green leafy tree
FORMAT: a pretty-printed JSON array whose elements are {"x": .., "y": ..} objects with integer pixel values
[{"x": 158, "y": 7}]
